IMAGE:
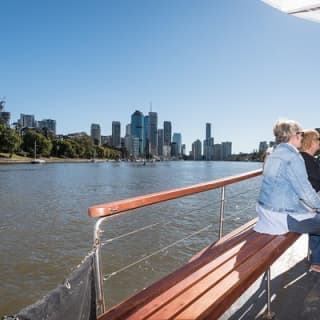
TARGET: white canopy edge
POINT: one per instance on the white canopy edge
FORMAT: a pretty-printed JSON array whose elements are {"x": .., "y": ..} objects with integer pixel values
[{"x": 306, "y": 9}]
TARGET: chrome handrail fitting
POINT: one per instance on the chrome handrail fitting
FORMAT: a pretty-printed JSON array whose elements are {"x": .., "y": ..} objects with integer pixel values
[{"x": 98, "y": 265}]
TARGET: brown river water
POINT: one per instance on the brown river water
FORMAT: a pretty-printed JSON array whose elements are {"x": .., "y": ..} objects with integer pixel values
[{"x": 45, "y": 230}]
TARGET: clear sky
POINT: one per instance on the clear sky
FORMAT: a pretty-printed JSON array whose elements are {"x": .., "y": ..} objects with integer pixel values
[{"x": 238, "y": 64}]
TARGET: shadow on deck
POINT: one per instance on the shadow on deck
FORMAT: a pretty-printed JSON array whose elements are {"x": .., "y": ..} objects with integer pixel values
[{"x": 295, "y": 293}]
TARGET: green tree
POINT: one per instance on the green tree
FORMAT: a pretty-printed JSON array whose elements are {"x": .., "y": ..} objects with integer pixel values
[
  {"x": 10, "y": 141},
  {"x": 85, "y": 146},
  {"x": 63, "y": 148},
  {"x": 31, "y": 139}
]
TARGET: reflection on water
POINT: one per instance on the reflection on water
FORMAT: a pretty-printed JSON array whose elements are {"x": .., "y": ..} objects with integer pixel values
[{"x": 45, "y": 230}]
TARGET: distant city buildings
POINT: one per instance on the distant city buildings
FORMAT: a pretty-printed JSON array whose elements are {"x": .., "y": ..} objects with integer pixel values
[
  {"x": 143, "y": 138},
  {"x": 211, "y": 151}
]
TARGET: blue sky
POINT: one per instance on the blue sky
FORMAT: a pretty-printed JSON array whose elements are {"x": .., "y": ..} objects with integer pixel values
[{"x": 239, "y": 65}]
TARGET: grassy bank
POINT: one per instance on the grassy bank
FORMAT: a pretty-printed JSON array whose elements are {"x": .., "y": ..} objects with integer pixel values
[{"x": 5, "y": 159}]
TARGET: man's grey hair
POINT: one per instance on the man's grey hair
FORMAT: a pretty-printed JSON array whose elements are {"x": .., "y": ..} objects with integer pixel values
[{"x": 284, "y": 129}]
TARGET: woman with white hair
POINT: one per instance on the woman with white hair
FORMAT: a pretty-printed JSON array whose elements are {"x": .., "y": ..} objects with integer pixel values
[{"x": 287, "y": 201}]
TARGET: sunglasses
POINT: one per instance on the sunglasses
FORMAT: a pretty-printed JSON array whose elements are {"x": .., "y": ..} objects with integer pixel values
[{"x": 300, "y": 132}]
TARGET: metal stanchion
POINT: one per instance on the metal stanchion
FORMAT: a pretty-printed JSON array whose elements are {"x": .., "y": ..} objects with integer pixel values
[
  {"x": 98, "y": 267},
  {"x": 268, "y": 314},
  {"x": 221, "y": 212}
]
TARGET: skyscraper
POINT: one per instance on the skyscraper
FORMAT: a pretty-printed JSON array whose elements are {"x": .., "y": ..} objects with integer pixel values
[
  {"x": 153, "y": 132},
  {"x": 96, "y": 134},
  {"x": 146, "y": 140},
  {"x": 4, "y": 116},
  {"x": 196, "y": 150},
  {"x": 226, "y": 150},
  {"x": 208, "y": 144},
  {"x": 116, "y": 134},
  {"x": 167, "y": 132},
  {"x": 137, "y": 121},
  {"x": 27, "y": 121},
  {"x": 177, "y": 140},
  {"x": 160, "y": 142},
  {"x": 49, "y": 124}
]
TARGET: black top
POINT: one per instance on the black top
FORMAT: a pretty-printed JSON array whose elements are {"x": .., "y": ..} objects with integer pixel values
[{"x": 313, "y": 170}]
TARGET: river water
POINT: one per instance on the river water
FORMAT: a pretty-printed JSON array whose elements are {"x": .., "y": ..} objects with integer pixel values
[{"x": 45, "y": 230}]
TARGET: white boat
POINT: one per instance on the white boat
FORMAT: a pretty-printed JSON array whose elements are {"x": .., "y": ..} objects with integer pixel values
[{"x": 35, "y": 160}]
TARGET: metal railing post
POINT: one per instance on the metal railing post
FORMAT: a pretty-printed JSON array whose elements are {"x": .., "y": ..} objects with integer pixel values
[
  {"x": 221, "y": 211},
  {"x": 268, "y": 314},
  {"x": 98, "y": 267}
]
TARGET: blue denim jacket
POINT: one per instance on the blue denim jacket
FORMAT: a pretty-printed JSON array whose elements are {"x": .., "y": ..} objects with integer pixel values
[{"x": 285, "y": 185}]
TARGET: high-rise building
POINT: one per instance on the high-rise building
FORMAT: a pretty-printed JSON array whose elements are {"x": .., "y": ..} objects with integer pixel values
[
  {"x": 153, "y": 132},
  {"x": 116, "y": 134},
  {"x": 137, "y": 121},
  {"x": 146, "y": 140},
  {"x": 160, "y": 142},
  {"x": 208, "y": 144},
  {"x": 183, "y": 149},
  {"x": 176, "y": 138},
  {"x": 196, "y": 150},
  {"x": 128, "y": 129},
  {"x": 217, "y": 151},
  {"x": 167, "y": 132},
  {"x": 226, "y": 150},
  {"x": 27, "y": 121},
  {"x": 96, "y": 133},
  {"x": 4, "y": 116},
  {"x": 48, "y": 124}
]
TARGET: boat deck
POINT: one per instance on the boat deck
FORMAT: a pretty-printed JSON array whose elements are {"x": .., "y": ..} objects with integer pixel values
[{"x": 295, "y": 293}]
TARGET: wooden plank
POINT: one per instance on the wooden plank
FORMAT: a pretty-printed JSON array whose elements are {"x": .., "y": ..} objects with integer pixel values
[
  {"x": 116, "y": 207},
  {"x": 242, "y": 277},
  {"x": 121, "y": 310},
  {"x": 190, "y": 289}
]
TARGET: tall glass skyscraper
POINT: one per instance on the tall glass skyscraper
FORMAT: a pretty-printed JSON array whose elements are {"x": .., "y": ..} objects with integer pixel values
[
  {"x": 96, "y": 133},
  {"x": 208, "y": 144},
  {"x": 137, "y": 124},
  {"x": 167, "y": 132},
  {"x": 153, "y": 132},
  {"x": 116, "y": 134},
  {"x": 178, "y": 141}
]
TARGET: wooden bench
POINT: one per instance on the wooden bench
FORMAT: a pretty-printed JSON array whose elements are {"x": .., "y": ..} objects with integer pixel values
[{"x": 209, "y": 283}]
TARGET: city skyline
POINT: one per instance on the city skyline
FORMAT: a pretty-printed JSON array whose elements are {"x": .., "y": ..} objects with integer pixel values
[
  {"x": 31, "y": 118},
  {"x": 238, "y": 65}
]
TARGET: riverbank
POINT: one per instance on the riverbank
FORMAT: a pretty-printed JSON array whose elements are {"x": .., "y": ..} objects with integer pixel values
[{"x": 15, "y": 159}]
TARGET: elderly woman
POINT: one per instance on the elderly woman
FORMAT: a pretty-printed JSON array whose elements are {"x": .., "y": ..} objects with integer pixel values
[
  {"x": 309, "y": 146},
  {"x": 287, "y": 201}
]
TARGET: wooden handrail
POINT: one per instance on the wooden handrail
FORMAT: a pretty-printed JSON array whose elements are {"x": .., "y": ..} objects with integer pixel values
[{"x": 112, "y": 208}]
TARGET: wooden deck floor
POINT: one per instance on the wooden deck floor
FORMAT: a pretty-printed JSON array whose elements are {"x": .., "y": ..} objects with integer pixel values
[{"x": 295, "y": 293}]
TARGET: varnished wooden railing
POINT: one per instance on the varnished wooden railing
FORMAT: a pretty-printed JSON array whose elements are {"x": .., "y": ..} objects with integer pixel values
[{"x": 115, "y": 207}]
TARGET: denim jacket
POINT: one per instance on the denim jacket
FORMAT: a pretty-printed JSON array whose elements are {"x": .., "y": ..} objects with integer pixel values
[{"x": 285, "y": 186}]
